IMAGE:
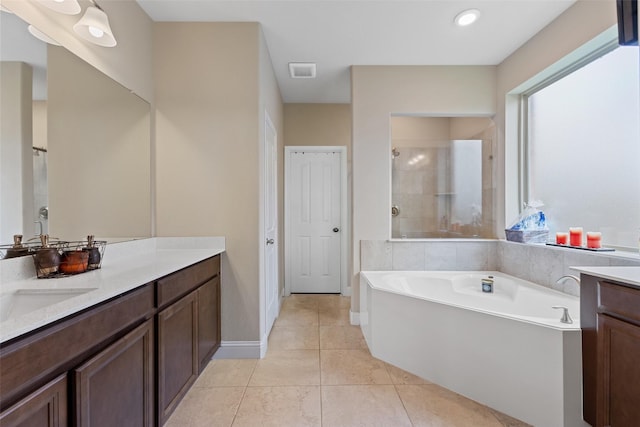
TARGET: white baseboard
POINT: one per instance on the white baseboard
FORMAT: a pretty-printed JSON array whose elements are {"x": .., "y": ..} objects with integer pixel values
[
  {"x": 346, "y": 291},
  {"x": 239, "y": 350},
  {"x": 354, "y": 317}
]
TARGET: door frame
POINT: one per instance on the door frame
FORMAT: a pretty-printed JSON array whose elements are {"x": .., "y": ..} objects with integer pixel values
[{"x": 344, "y": 223}]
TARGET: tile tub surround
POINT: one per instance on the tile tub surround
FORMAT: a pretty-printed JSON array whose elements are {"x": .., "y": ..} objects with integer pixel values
[
  {"x": 330, "y": 379},
  {"x": 540, "y": 264},
  {"x": 126, "y": 266}
]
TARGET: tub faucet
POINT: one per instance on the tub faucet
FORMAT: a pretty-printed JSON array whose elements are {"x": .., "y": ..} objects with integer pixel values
[
  {"x": 567, "y": 277},
  {"x": 565, "y": 314}
]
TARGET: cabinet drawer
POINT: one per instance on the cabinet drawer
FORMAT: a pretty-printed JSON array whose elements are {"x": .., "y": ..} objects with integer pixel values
[
  {"x": 619, "y": 301},
  {"x": 174, "y": 286}
]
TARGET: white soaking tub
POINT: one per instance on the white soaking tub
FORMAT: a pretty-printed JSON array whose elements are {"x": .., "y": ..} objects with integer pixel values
[{"x": 506, "y": 349}]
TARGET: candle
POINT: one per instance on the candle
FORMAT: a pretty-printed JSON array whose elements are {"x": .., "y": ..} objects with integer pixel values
[
  {"x": 575, "y": 236},
  {"x": 594, "y": 239},
  {"x": 562, "y": 238}
]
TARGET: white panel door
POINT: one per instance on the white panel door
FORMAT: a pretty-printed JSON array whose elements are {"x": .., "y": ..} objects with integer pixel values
[
  {"x": 270, "y": 180},
  {"x": 314, "y": 210}
]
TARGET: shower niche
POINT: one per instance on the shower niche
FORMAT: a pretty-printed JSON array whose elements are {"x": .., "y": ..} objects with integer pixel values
[{"x": 442, "y": 182}]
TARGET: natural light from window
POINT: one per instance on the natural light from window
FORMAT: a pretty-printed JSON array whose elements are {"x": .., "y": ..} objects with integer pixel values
[{"x": 584, "y": 149}]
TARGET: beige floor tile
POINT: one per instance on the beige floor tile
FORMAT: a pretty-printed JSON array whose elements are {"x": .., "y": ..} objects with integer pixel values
[
  {"x": 364, "y": 405},
  {"x": 210, "y": 407},
  {"x": 294, "y": 338},
  {"x": 342, "y": 338},
  {"x": 508, "y": 421},
  {"x": 280, "y": 407},
  {"x": 226, "y": 372},
  {"x": 431, "y": 405},
  {"x": 342, "y": 367},
  {"x": 334, "y": 316},
  {"x": 400, "y": 376},
  {"x": 309, "y": 301},
  {"x": 333, "y": 301},
  {"x": 297, "y": 316},
  {"x": 287, "y": 367}
]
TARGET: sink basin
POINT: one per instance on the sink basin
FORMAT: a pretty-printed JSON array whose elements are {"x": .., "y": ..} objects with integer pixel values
[{"x": 22, "y": 301}]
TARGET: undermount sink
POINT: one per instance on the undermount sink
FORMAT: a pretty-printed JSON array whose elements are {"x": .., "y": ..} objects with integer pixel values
[{"x": 22, "y": 301}]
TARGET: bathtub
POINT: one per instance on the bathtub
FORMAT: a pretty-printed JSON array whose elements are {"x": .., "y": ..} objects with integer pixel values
[{"x": 506, "y": 349}]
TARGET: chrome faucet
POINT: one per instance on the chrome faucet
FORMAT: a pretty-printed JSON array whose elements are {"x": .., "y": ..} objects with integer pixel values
[
  {"x": 565, "y": 314},
  {"x": 567, "y": 277}
]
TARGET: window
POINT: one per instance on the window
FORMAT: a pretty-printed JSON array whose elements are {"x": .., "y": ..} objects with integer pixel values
[{"x": 582, "y": 147}]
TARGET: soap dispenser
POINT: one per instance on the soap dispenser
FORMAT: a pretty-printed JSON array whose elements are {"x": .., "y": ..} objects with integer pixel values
[
  {"x": 94, "y": 253},
  {"x": 18, "y": 249},
  {"x": 47, "y": 259}
]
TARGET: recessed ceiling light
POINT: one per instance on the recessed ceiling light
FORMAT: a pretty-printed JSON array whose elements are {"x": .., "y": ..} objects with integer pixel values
[
  {"x": 302, "y": 70},
  {"x": 467, "y": 17}
]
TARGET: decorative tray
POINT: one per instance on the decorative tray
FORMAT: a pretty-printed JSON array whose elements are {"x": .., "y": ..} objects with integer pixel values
[{"x": 584, "y": 248}]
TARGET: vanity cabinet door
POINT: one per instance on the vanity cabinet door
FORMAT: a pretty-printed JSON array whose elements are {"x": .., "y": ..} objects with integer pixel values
[
  {"x": 177, "y": 353},
  {"x": 115, "y": 387},
  {"x": 46, "y": 407},
  {"x": 208, "y": 320},
  {"x": 619, "y": 373}
]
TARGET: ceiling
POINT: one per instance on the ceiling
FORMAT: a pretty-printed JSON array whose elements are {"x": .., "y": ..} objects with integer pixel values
[{"x": 336, "y": 34}]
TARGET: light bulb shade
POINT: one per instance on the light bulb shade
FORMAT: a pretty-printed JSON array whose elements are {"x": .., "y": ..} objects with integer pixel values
[
  {"x": 41, "y": 36},
  {"x": 68, "y": 7},
  {"x": 94, "y": 27}
]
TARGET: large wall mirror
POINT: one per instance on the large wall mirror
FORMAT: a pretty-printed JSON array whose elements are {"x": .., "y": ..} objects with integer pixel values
[
  {"x": 75, "y": 147},
  {"x": 442, "y": 175}
]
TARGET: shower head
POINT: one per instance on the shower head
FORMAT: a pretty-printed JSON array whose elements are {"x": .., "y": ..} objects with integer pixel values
[{"x": 394, "y": 153}]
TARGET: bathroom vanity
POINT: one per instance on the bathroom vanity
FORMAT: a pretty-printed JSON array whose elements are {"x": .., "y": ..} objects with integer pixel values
[
  {"x": 127, "y": 357},
  {"x": 610, "y": 322}
]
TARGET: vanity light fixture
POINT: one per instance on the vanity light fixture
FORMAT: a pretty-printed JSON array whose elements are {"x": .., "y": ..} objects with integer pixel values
[
  {"x": 94, "y": 27},
  {"x": 68, "y": 7},
  {"x": 467, "y": 17},
  {"x": 41, "y": 36}
]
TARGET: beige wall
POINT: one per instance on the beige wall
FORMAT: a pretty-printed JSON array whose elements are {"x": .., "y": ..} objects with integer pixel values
[
  {"x": 377, "y": 92},
  {"x": 129, "y": 63},
  {"x": 16, "y": 162},
  {"x": 40, "y": 124},
  {"x": 318, "y": 125},
  {"x": 99, "y": 153},
  {"x": 208, "y": 135}
]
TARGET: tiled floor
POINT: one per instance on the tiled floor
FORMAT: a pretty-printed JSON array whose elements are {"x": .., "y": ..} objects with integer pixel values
[{"x": 319, "y": 372}]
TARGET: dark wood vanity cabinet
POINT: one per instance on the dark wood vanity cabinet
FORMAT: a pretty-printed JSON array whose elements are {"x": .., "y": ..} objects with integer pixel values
[
  {"x": 46, "y": 407},
  {"x": 125, "y": 362},
  {"x": 188, "y": 330},
  {"x": 177, "y": 353},
  {"x": 208, "y": 321},
  {"x": 610, "y": 319},
  {"x": 116, "y": 387}
]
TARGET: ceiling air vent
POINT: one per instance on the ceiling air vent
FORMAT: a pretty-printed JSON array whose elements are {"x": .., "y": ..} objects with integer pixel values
[{"x": 302, "y": 70}]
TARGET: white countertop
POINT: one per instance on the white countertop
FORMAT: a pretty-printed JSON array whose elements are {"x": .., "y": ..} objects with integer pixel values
[
  {"x": 125, "y": 266},
  {"x": 630, "y": 275}
]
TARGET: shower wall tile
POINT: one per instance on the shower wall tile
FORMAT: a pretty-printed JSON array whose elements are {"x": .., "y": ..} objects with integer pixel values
[
  {"x": 408, "y": 256},
  {"x": 624, "y": 262},
  {"x": 547, "y": 265},
  {"x": 440, "y": 256},
  {"x": 472, "y": 256},
  {"x": 376, "y": 255}
]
